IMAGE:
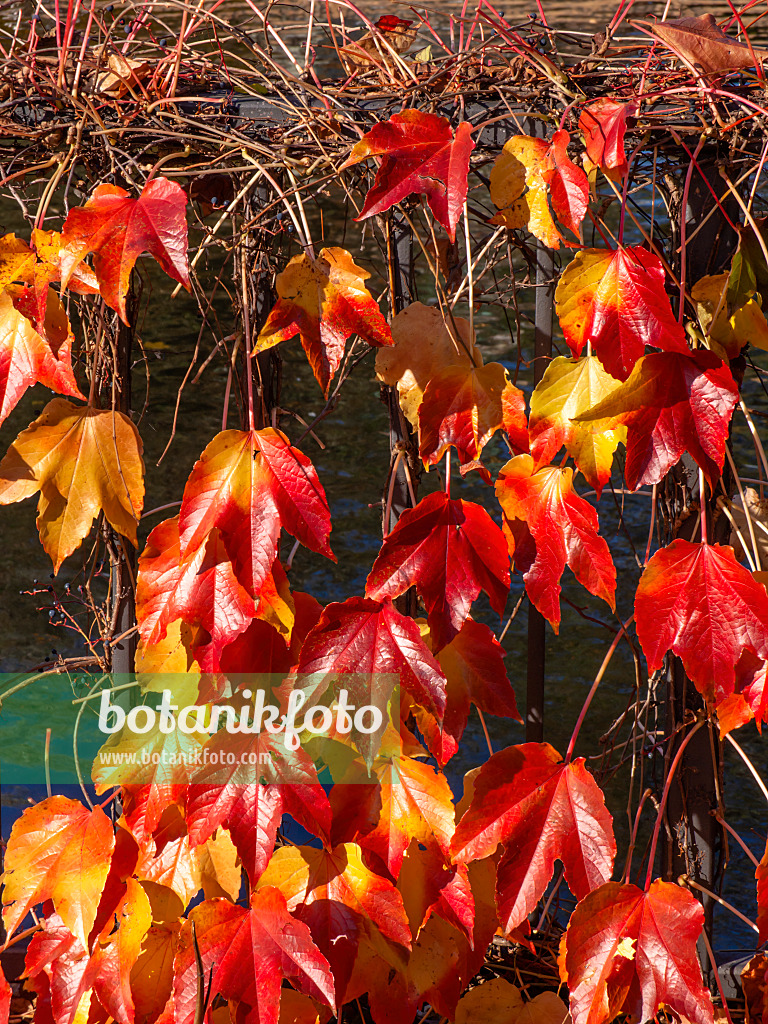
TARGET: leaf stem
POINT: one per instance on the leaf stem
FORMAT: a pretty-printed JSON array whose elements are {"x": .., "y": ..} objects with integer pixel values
[
  {"x": 247, "y": 334},
  {"x": 702, "y": 503},
  {"x": 663, "y": 802},
  {"x": 593, "y": 689}
]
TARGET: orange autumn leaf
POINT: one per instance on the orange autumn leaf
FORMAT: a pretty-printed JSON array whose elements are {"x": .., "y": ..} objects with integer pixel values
[
  {"x": 82, "y": 460},
  {"x": 305, "y": 876},
  {"x": 26, "y": 359},
  {"x": 200, "y": 588},
  {"x": 324, "y": 301},
  {"x": 402, "y": 797},
  {"x": 462, "y": 408},
  {"x": 59, "y": 850},
  {"x": 424, "y": 343},
  {"x": 117, "y": 951},
  {"x": 117, "y": 229},
  {"x": 36, "y": 266},
  {"x": 549, "y": 525},
  {"x": 152, "y": 973}
]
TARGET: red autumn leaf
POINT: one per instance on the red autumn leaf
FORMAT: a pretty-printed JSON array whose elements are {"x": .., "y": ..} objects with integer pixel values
[
  {"x": 761, "y": 875},
  {"x": 419, "y": 154},
  {"x": 117, "y": 229},
  {"x": 5, "y": 998},
  {"x": 699, "y": 602},
  {"x": 749, "y": 699},
  {"x": 604, "y": 123},
  {"x": 54, "y": 954},
  {"x": 409, "y": 800},
  {"x": 26, "y": 359},
  {"x": 249, "y": 485},
  {"x": 473, "y": 663},
  {"x": 463, "y": 406},
  {"x": 568, "y": 187},
  {"x": 541, "y": 810},
  {"x": 252, "y": 812},
  {"x": 362, "y": 636},
  {"x": 615, "y": 299},
  {"x": 449, "y": 550},
  {"x": 672, "y": 403},
  {"x": 58, "y": 850},
  {"x": 563, "y": 527},
  {"x": 246, "y": 954},
  {"x": 430, "y": 886},
  {"x": 629, "y": 951},
  {"x": 201, "y": 588},
  {"x": 324, "y": 301}
]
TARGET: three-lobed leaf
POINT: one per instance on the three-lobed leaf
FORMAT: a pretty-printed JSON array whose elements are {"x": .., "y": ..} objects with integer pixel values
[
  {"x": 419, "y": 153},
  {"x": 540, "y": 809},
  {"x": 82, "y": 460},
  {"x": 671, "y": 403},
  {"x": 548, "y": 171},
  {"x": 324, "y": 301},
  {"x": 59, "y": 850},
  {"x": 697, "y": 601},
  {"x": 568, "y": 388},
  {"x": 550, "y": 526},
  {"x": 245, "y": 954},
  {"x": 117, "y": 229},
  {"x": 449, "y": 550},
  {"x": 615, "y": 300},
  {"x": 630, "y": 951}
]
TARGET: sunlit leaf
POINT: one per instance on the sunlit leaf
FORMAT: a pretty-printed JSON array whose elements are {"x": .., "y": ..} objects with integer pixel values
[
  {"x": 615, "y": 300},
  {"x": 83, "y": 461},
  {"x": 324, "y": 301},
  {"x": 699, "y": 602},
  {"x": 541, "y": 810},
  {"x": 672, "y": 403},
  {"x": 570, "y": 387},
  {"x": 563, "y": 527},
  {"x": 58, "y": 850},
  {"x": 629, "y": 951},
  {"x": 419, "y": 154},
  {"x": 117, "y": 229},
  {"x": 449, "y": 550}
]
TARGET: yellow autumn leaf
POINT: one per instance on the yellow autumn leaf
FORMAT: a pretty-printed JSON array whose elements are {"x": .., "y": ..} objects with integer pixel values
[
  {"x": 499, "y": 1002},
  {"x": 17, "y": 260},
  {"x": 424, "y": 344},
  {"x": 728, "y": 331},
  {"x": 522, "y": 162},
  {"x": 219, "y": 867},
  {"x": 568, "y": 388},
  {"x": 82, "y": 461}
]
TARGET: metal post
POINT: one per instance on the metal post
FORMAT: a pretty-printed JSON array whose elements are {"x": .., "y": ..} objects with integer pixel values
[{"x": 542, "y": 350}]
